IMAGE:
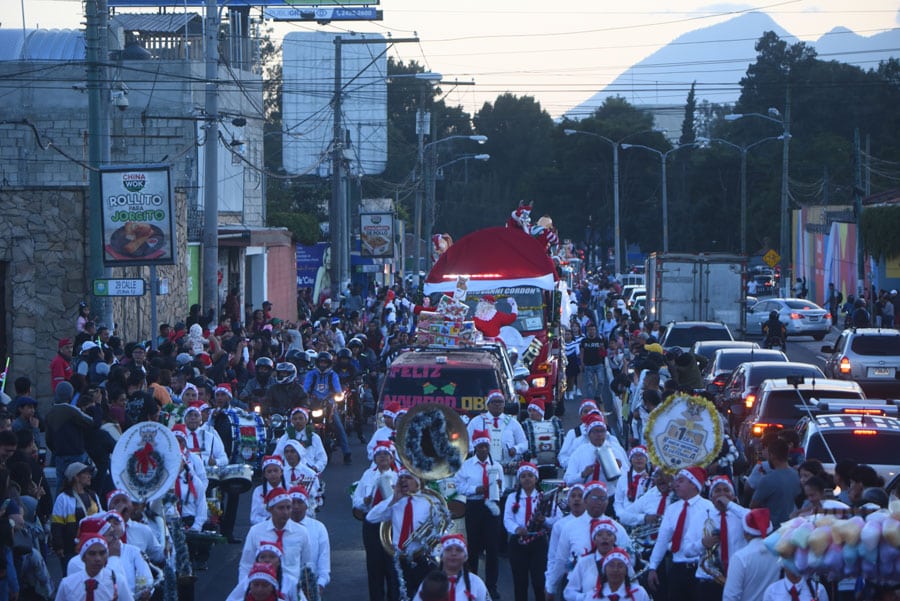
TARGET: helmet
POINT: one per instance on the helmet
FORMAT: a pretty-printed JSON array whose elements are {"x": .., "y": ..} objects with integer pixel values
[
  {"x": 362, "y": 338},
  {"x": 311, "y": 356},
  {"x": 344, "y": 353},
  {"x": 324, "y": 357},
  {"x": 264, "y": 363},
  {"x": 773, "y": 314},
  {"x": 355, "y": 342},
  {"x": 285, "y": 373},
  {"x": 296, "y": 356}
]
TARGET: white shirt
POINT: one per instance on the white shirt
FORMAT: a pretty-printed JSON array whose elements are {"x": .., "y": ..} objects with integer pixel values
[
  {"x": 295, "y": 475},
  {"x": 295, "y": 543},
  {"x": 382, "y": 433},
  {"x": 646, "y": 504},
  {"x": 109, "y": 585},
  {"x": 314, "y": 454},
  {"x": 571, "y": 441},
  {"x": 621, "y": 502},
  {"x": 691, "y": 546},
  {"x": 553, "y": 554},
  {"x": 583, "y": 583},
  {"x": 258, "y": 510},
  {"x": 780, "y": 591},
  {"x": 210, "y": 443},
  {"x": 320, "y": 547},
  {"x": 193, "y": 504},
  {"x": 388, "y": 510},
  {"x": 478, "y": 591},
  {"x": 141, "y": 536},
  {"x": 512, "y": 436},
  {"x": 586, "y": 455},
  {"x": 734, "y": 519},
  {"x": 366, "y": 487},
  {"x": 750, "y": 571},
  {"x": 512, "y": 520},
  {"x": 575, "y": 541},
  {"x": 471, "y": 475},
  {"x": 129, "y": 567}
]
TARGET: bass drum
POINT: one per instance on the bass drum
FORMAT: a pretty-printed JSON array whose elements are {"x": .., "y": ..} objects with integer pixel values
[
  {"x": 248, "y": 437},
  {"x": 456, "y": 502},
  {"x": 236, "y": 478},
  {"x": 544, "y": 440}
]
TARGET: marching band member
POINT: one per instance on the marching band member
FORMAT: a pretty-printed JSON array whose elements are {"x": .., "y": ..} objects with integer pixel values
[
  {"x": 301, "y": 430},
  {"x": 271, "y": 554},
  {"x": 368, "y": 493},
  {"x": 297, "y": 473},
  {"x": 751, "y": 570},
  {"x": 191, "y": 484},
  {"x": 575, "y": 501},
  {"x": 649, "y": 508},
  {"x": 273, "y": 477},
  {"x": 637, "y": 481},
  {"x": 480, "y": 479},
  {"x": 728, "y": 517},
  {"x": 97, "y": 582},
  {"x": 584, "y": 464},
  {"x": 536, "y": 431},
  {"x": 203, "y": 439},
  {"x": 407, "y": 509},
  {"x": 574, "y": 436},
  {"x": 794, "y": 587},
  {"x": 280, "y": 529},
  {"x": 223, "y": 404},
  {"x": 605, "y": 576},
  {"x": 125, "y": 560},
  {"x": 137, "y": 533},
  {"x": 262, "y": 584},
  {"x": 508, "y": 440},
  {"x": 319, "y": 543},
  {"x": 575, "y": 537},
  {"x": 527, "y": 527},
  {"x": 385, "y": 432},
  {"x": 464, "y": 584},
  {"x": 682, "y": 527}
]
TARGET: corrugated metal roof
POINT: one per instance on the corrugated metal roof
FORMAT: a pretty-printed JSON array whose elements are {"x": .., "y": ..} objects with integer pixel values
[
  {"x": 156, "y": 23},
  {"x": 41, "y": 45}
]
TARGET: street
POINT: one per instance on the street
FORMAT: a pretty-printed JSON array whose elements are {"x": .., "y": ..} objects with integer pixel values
[{"x": 348, "y": 574}]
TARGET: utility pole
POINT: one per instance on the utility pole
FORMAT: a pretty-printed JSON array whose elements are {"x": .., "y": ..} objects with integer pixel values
[
  {"x": 420, "y": 163},
  {"x": 785, "y": 216},
  {"x": 211, "y": 171},
  {"x": 338, "y": 196},
  {"x": 857, "y": 213},
  {"x": 97, "y": 54}
]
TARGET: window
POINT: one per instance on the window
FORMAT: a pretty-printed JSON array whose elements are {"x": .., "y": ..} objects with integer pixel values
[
  {"x": 879, "y": 346},
  {"x": 876, "y": 449}
]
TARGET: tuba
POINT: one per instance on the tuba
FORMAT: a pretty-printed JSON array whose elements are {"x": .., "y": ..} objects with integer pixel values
[
  {"x": 711, "y": 563},
  {"x": 432, "y": 442}
]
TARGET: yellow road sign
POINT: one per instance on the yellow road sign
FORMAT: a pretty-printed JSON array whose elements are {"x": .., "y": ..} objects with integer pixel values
[{"x": 771, "y": 258}]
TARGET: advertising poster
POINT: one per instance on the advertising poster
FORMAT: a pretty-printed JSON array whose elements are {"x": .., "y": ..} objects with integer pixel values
[
  {"x": 138, "y": 215},
  {"x": 376, "y": 234}
]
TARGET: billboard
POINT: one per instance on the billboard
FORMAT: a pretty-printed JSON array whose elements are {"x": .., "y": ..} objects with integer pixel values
[
  {"x": 308, "y": 116},
  {"x": 376, "y": 235},
  {"x": 137, "y": 213}
]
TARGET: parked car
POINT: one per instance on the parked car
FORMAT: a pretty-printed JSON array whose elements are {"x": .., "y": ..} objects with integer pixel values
[
  {"x": 628, "y": 292},
  {"x": 725, "y": 361},
  {"x": 800, "y": 317},
  {"x": 740, "y": 393},
  {"x": 706, "y": 348},
  {"x": 869, "y": 356},
  {"x": 765, "y": 284},
  {"x": 640, "y": 305},
  {"x": 684, "y": 334},
  {"x": 869, "y": 439},
  {"x": 780, "y": 405}
]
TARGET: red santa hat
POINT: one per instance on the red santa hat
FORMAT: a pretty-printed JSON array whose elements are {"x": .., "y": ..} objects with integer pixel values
[
  {"x": 383, "y": 446},
  {"x": 594, "y": 485},
  {"x": 587, "y": 404},
  {"x": 114, "y": 494},
  {"x": 617, "y": 554},
  {"x": 695, "y": 474},
  {"x": 405, "y": 472},
  {"x": 496, "y": 393},
  {"x": 576, "y": 486},
  {"x": 276, "y": 496},
  {"x": 391, "y": 409},
  {"x": 595, "y": 421},
  {"x": 602, "y": 524},
  {"x": 89, "y": 541},
  {"x": 193, "y": 406},
  {"x": 93, "y": 525},
  {"x": 721, "y": 479},
  {"x": 489, "y": 298},
  {"x": 264, "y": 572},
  {"x": 272, "y": 460},
  {"x": 299, "y": 493},
  {"x": 638, "y": 450},
  {"x": 180, "y": 431},
  {"x": 455, "y": 540},
  {"x": 271, "y": 546},
  {"x": 302, "y": 410},
  {"x": 757, "y": 522},
  {"x": 527, "y": 466},
  {"x": 537, "y": 405},
  {"x": 481, "y": 437},
  {"x": 224, "y": 387}
]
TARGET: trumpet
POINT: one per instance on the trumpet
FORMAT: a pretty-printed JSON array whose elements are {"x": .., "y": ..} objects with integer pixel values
[{"x": 711, "y": 563}]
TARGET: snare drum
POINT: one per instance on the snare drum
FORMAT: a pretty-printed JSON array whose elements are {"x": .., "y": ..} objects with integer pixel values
[
  {"x": 236, "y": 478},
  {"x": 212, "y": 475},
  {"x": 544, "y": 440},
  {"x": 248, "y": 437},
  {"x": 456, "y": 502}
]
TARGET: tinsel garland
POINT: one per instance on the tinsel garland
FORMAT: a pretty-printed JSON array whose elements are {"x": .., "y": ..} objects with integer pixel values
[
  {"x": 436, "y": 425},
  {"x": 696, "y": 403},
  {"x": 401, "y": 581}
]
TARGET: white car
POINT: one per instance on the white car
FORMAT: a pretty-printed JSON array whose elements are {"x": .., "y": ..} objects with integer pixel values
[
  {"x": 869, "y": 439},
  {"x": 799, "y": 316}
]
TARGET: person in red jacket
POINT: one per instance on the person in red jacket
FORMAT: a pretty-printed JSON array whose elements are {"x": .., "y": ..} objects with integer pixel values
[
  {"x": 61, "y": 365},
  {"x": 489, "y": 320}
]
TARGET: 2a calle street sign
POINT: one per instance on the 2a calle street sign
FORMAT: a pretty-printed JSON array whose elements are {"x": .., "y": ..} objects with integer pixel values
[
  {"x": 119, "y": 287},
  {"x": 771, "y": 258}
]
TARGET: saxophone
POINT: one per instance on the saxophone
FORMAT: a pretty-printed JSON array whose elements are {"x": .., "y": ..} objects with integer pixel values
[{"x": 711, "y": 562}]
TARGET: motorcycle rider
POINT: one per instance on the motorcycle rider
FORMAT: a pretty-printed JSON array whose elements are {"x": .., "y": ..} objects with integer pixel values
[
  {"x": 262, "y": 378},
  {"x": 321, "y": 384},
  {"x": 286, "y": 393},
  {"x": 774, "y": 331},
  {"x": 347, "y": 369},
  {"x": 300, "y": 360}
]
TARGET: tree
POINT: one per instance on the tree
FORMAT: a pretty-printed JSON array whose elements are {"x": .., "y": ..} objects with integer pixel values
[{"x": 688, "y": 127}]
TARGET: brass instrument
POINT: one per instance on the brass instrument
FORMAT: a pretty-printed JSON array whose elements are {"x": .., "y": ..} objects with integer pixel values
[
  {"x": 644, "y": 531},
  {"x": 545, "y": 508},
  {"x": 711, "y": 562},
  {"x": 453, "y": 436}
]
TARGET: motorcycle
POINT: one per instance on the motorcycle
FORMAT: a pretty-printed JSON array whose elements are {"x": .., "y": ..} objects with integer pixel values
[
  {"x": 349, "y": 407},
  {"x": 321, "y": 414},
  {"x": 775, "y": 341}
]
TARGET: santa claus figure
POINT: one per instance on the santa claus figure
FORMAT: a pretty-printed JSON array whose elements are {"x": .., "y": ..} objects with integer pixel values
[
  {"x": 521, "y": 217},
  {"x": 489, "y": 320}
]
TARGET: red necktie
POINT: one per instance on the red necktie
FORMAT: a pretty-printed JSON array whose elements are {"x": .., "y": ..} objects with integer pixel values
[
  {"x": 279, "y": 536},
  {"x": 679, "y": 529},
  {"x": 795, "y": 594},
  {"x": 527, "y": 510},
  {"x": 90, "y": 585},
  {"x": 660, "y": 509},
  {"x": 723, "y": 540},
  {"x": 293, "y": 475},
  {"x": 596, "y": 471},
  {"x": 633, "y": 487},
  {"x": 485, "y": 483},
  {"x": 496, "y": 422},
  {"x": 407, "y": 527},
  {"x": 376, "y": 498},
  {"x": 196, "y": 442},
  {"x": 451, "y": 595},
  {"x": 613, "y": 597}
]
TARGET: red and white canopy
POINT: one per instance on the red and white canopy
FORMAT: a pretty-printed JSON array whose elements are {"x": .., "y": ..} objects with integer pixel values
[{"x": 495, "y": 257}]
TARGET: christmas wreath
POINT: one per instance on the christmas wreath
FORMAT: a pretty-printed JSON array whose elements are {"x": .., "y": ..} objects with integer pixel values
[{"x": 427, "y": 441}]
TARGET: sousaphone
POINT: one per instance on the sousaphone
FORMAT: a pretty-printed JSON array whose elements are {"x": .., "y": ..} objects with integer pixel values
[{"x": 432, "y": 442}]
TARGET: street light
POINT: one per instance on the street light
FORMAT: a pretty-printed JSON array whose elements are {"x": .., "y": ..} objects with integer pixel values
[
  {"x": 665, "y": 194},
  {"x": 617, "y": 233},
  {"x": 744, "y": 149},
  {"x": 775, "y": 117}
]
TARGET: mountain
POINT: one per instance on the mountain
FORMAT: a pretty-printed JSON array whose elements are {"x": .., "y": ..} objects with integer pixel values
[{"x": 717, "y": 57}]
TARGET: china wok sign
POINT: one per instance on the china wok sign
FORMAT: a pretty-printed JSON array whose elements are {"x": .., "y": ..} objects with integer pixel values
[
  {"x": 138, "y": 215},
  {"x": 376, "y": 235}
]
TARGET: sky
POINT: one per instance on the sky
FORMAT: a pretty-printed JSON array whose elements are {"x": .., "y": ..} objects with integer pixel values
[{"x": 559, "y": 54}]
